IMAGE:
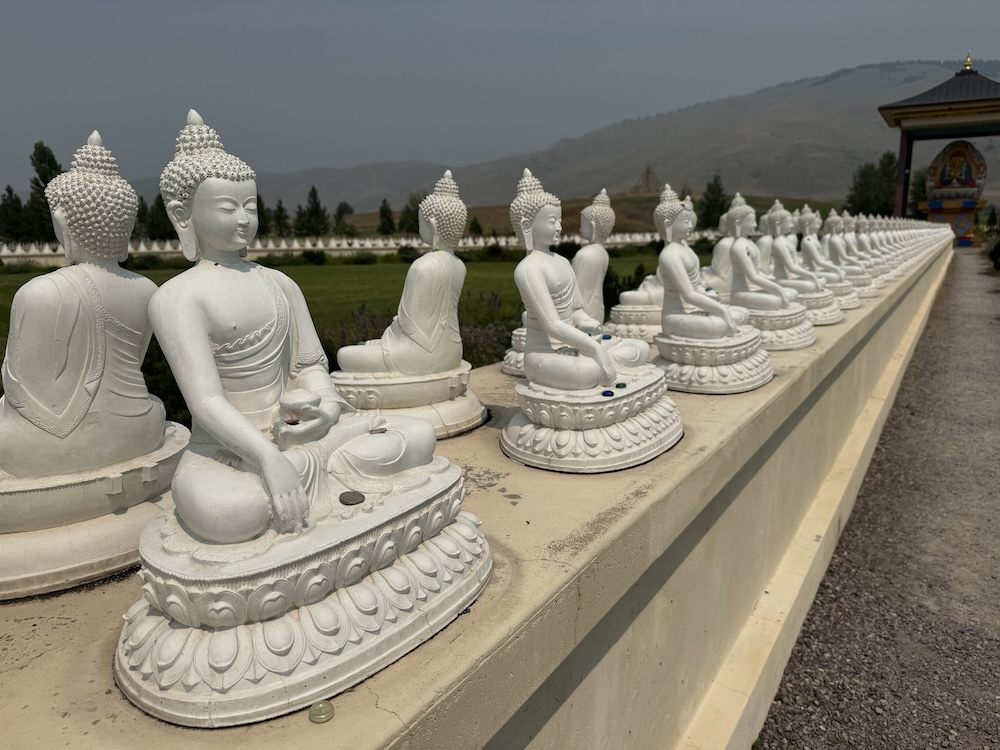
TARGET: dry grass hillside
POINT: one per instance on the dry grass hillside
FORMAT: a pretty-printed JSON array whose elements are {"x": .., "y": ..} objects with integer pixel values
[{"x": 803, "y": 138}]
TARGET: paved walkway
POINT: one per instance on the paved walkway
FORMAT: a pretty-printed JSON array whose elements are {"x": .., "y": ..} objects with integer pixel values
[{"x": 901, "y": 649}]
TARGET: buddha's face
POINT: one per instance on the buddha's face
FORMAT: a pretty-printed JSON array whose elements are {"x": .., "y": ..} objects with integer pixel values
[
  {"x": 786, "y": 224},
  {"x": 683, "y": 225},
  {"x": 224, "y": 216},
  {"x": 546, "y": 227},
  {"x": 749, "y": 223}
]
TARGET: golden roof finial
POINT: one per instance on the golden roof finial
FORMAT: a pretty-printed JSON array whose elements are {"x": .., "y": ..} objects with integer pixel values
[{"x": 968, "y": 60}]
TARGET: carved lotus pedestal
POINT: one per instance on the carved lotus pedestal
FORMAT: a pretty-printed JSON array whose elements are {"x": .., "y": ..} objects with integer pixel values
[
  {"x": 733, "y": 364},
  {"x": 785, "y": 329},
  {"x": 594, "y": 430},
  {"x": 864, "y": 285},
  {"x": 847, "y": 296},
  {"x": 443, "y": 399},
  {"x": 822, "y": 308},
  {"x": 64, "y": 530},
  {"x": 635, "y": 322},
  {"x": 513, "y": 360},
  {"x": 230, "y": 634}
]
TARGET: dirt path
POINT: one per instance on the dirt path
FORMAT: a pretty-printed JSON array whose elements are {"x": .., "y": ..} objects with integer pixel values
[{"x": 901, "y": 648}]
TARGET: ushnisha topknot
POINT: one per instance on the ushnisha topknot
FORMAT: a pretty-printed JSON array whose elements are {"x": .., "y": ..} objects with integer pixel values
[
  {"x": 529, "y": 199},
  {"x": 601, "y": 215},
  {"x": 447, "y": 209},
  {"x": 738, "y": 210},
  {"x": 100, "y": 207},
  {"x": 199, "y": 154},
  {"x": 668, "y": 209}
]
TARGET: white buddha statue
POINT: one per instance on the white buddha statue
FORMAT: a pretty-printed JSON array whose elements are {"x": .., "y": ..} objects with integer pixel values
[
  {"x": 835, "y": 248},
  {"x": 705, "y": 346},
  {"x": 590, "y": 264},
  {"x": 719, "y": 275},
  {"x": 813, "y": 259},
  {"x": 297, "y": 520},
  {"x": 860, "y": 252},
  {"x": 572, "y": 367},
  {"x": 820, "y": 303},
  {"x": 416, "y": 367},
  {"x": 783, "y": 322},
  {"x": 81, "y": 438}
]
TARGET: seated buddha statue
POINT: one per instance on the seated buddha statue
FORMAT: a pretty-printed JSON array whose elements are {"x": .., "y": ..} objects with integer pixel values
[
  {"x": 835, "y": 249},
  {"x": 706, "y": 346},
  {"x": 569, "y": 362},
  {"x": 243, "y": 348},
  {"x": 860, "y": 252},
  {"x": 820, "y": 303},
  {"x": 590, "y": 263},
  {"x": 416, "y": 367},
  {"x": 783, "y": 322},
  {"x": 809, "y": 224},
  {"x": 719, "y": 275},
  {"x": 298, "y": 520},
  {"x": 81, "y": 438}
]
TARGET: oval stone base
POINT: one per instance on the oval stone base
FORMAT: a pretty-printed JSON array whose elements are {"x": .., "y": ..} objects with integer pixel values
[
  {"x": 443, "y": 399},
  {"x": 635, "y": 322},
  {"x": 784, "y": 330},
  {"x": 218, "y": 677},
  {"x": 822, "y": 308},
  {"x": 585, "y": 432},
  {"x": 513, "y": 360},
  {"x": 715, "y": 366},
  {"x": 846, "y": 295}
]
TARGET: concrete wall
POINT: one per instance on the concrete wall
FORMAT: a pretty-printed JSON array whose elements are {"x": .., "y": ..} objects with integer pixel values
[{"x": 650, "y": 608}]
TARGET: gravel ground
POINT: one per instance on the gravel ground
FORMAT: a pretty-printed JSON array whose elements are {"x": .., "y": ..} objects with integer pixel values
[{"x": 901, "y": 648}]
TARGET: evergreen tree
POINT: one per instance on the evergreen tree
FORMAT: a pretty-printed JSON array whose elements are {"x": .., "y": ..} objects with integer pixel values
[
  {"x": 37, "y": 221},
  {"x": 158, "y": 226},
  {"x": 11, "y": 216},
  {"x": 918, "y": 193},
  {"x": 475, "y": 228},
  {"x": 409, "y": 217},
  {"x": 991, "y": 221},
  {"x": 141, "y": 229},
  {"x": 873, "y": 188},
  {"x": 313, "y": 220},
  {"x": 340, "y": 224},
  {"x": 713, "y": 203},
  {"x": 280, "y": 222},
  {"x": 263, "y": 218},
  {"x": 386, "y": 225}
]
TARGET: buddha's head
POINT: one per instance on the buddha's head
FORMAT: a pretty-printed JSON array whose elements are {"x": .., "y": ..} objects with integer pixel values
[
  {"x": 805, "y": 220},
  {"x": 741, "y": 218},
  {"x": 93, "y": 208},
  {"x": 848, "y": 221},
  {"x": 778, "y": 219},
  {"x": 598, "y": 219},
  {"x": 833, "y": 224},
  {"x": 535, "y": 215},
  {"x": 442, "y": 214},
  {"x": 671, "y": 220},
  {"x": 688, "y": 205},
  {"x": 210, "y": 195}
]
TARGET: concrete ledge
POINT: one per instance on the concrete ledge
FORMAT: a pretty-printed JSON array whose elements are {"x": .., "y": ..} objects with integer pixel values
[{"x": 626, "y": 609}]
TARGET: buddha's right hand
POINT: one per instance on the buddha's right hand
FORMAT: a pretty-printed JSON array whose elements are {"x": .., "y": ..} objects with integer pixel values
[
  {"x": 609, "y": 373},
  {"x": 288, "y": 497}
]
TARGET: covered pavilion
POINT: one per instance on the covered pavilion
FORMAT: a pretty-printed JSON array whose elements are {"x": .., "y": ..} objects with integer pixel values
[{"x": 967, "y": 105}]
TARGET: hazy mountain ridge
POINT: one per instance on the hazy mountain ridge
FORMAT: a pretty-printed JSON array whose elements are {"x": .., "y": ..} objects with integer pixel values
[{"x": 801, "y": 138}]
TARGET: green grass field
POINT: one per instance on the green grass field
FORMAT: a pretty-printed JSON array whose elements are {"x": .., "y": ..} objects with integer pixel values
[{"x": 335, "y": 291}]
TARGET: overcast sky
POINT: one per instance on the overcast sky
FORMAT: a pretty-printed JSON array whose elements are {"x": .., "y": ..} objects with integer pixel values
[{"x": 305, "y": 84}]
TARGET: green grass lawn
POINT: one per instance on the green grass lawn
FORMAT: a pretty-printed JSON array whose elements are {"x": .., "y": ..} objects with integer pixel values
[{"x": 335, "y": 291}]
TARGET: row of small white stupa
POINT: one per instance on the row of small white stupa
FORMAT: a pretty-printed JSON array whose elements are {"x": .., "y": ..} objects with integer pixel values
[{"x": 303, "y": 534}]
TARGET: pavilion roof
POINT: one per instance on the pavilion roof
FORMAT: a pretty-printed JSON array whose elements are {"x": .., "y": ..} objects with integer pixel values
[{"x": 966, "y": 105}]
